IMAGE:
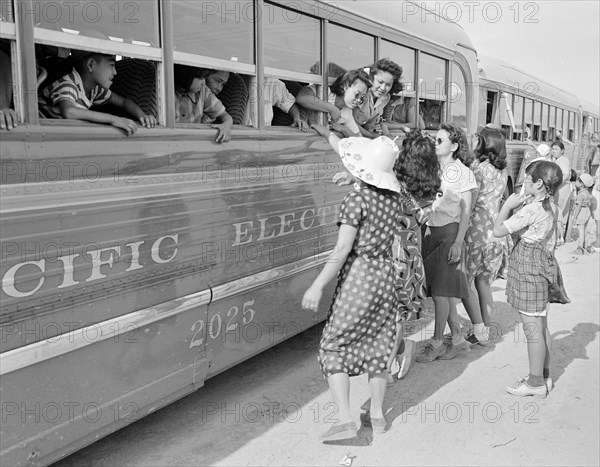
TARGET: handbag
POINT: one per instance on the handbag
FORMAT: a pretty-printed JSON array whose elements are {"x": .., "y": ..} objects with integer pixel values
[{"x": 556, "y": 288}]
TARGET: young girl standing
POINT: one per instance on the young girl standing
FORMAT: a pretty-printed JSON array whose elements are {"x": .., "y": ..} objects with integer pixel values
[
  {"x": 359, "y": 332},
  {"x": 532, "y": 267},
  {"x": 444, "y": 251},
  {"x": 582, "y": 212},
  {"x": 486, "y": 255}
]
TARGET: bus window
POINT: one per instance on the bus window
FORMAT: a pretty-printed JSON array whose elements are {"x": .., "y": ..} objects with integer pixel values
[
  {"x": 7, "y": 13},
  {"x": 528, "y": 118},
  {"x": 121, "y": 20},
  {"x": 518, "y": 117},
  {"x": 537, "y": 120},
  {"x": 489, "y": 107},
  {"x": 7, "y": 89},
  {"x": 458, "y": 98},
  {"x": 505, "y": 103},
  {"x": 552, "y": 123},
  {"x": 432, "y": 85},
  {"x": 348, "y": 49},
  {"x": 225, "y": 30},
  {"x": 545, "y": 120},
  {"x": 571, "y": 133},
  {"x": 283, "y": 31},
  {"x": 404, "y": 57}
]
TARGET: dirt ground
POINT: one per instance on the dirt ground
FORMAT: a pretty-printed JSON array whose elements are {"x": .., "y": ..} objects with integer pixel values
[{"x": 271, "y": 409}]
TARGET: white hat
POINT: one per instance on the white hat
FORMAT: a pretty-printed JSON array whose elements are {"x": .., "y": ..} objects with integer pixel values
[
  {"x": 543, "y": 149},
  {"x": 586, "y": 179},
  {"x": 371, "y": 160}
]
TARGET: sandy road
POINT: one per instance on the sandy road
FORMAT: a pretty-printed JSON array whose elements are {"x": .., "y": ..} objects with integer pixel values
[{"x": 271, "y": 409}]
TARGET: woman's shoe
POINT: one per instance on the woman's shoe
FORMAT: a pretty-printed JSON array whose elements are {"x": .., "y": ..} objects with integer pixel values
[
  {"x": 378, "y": 425},
  {"x": 343, "y": 431}
]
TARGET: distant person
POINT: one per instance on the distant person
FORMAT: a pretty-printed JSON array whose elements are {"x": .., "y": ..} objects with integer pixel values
[
  {"x": 86, "y": 85},
  {"x": 563, "y": 194},
  {"x": 542, "y": 152},
  {"x": 530, "y": 268},
  {"x": 582, "y": 212},
  {"x": 347, "y": 92},
  {"x": 276, "y": 94},
  {"x": 596, "y": 208},
  {"x": 194, "y": 100},
  {"x": 385, "y": 76}
]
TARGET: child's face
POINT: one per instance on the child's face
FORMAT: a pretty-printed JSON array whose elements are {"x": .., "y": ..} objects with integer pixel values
[
  {"x": 530, "y": 187},
  {"x": 579, "y": 184},
  {"x": 355, "y": 94},
  {"x": 556, "y": 152},
  {"x": 217, "y": 81},
  {"x": 103, "y": 70}
]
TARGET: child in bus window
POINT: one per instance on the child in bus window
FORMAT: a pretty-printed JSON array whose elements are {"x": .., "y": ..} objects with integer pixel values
[
  {"x": 347, "y": 92},
  {"x": 88, "y": 84},
  {"x": 404, "y": 113},
  {"x": 276, "y": 94},
  {"x": 194, "y": 100},
  {"x": 8, "y": 116}
]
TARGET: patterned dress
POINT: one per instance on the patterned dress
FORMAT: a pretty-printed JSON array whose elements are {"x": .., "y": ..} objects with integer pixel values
[
  {"x": 359, "y": 332},
  {"x": 486, "y": 255},
  {"x": 408, "y": 260}
]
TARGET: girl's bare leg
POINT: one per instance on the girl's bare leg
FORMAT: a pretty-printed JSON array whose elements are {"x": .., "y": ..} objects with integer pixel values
[{"x": 339, "y": 385}]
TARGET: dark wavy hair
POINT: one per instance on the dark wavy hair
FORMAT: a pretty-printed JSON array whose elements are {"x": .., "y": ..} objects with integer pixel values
[
  {"x": 418, "y": 167},
  {"x": 551, "y": 176},
  {"x": 491, "y": 147},
  {"x": 348, "y": 79},
  {"x": 388, "y": 66},
  {"x": 458, "y": 136},
  {"x": 185, "y": 75}
]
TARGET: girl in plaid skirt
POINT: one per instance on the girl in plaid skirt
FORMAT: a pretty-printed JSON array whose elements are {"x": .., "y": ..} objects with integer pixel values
[{"x": 531, "y": 267}]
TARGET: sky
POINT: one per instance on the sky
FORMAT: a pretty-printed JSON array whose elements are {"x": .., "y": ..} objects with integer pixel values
[{"x": 556, "y": 40}]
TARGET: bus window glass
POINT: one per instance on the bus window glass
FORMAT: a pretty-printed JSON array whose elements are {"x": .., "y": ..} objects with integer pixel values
[
  {"x": 458, "y": 98},
  {"x": 565, "y": 122},
  {"x": 121, "y": 21},
  {"x": 348, "y": 50},
  {"x": 222, "y": 30},
  {"x": 283, "y": 31},
  {"x": 404, "y": 57},
  {"x": 571, "y": 133},
  {"x": 7, "y": 90},
  {"x": 528, "y": 116},
  {"x": 518, "y": 114},
  {"x": 537, "y": 120},
  {"x": 505, "y": 123},
  {"x": 545, "y": 116},
  {"x": 7, "y": 13},
  {"x": 432, "y": 85}
]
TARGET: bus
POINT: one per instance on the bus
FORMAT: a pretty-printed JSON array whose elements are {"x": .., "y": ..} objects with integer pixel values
[
  {"x": 134, "y": 268},
  {"x": 529, "y": 111},
  {"x": 590, "y": 135}
]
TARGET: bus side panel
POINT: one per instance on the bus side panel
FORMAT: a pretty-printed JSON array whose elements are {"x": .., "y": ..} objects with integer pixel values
[{"x": 57, "y": 406}]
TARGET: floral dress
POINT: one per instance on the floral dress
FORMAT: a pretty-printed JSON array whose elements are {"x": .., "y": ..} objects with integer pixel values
[
  {"x": 408, "y": 259},
  {"x": 360, "y": 329},
  {"x": 486, "y": 255}
]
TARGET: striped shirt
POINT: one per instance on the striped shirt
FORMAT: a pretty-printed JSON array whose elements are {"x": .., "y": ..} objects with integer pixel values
[
  {"x": 70, "y": 88},
  {"x": 190, "y": 107}
]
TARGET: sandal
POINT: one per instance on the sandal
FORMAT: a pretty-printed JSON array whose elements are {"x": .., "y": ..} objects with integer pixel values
[
  {"x": 378, "y": 425},
  {"x": 343, "y": 431}
]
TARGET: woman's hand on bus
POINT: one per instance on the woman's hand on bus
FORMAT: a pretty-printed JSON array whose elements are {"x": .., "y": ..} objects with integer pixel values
[
  {"x": 311, "y": 298},
  {"x": 126, "y": 124},
  {"x": 8, "y": 119},
  {"x": 148, "y": 121},
  {"x": 343, "y": 178}
]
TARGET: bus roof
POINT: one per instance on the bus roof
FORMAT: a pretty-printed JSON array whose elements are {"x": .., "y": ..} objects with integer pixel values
[
  {"x": 498, "y": 71},
  {"x": 589, "y": 108},
  {"x": 409, "y": 18}
]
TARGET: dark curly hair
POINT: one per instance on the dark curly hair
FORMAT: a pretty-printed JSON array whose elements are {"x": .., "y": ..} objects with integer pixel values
[
  {"x": 388, "y": 66},
  {"x": 418, "y": 167},
  {"x": 457, "y": 135},
  {"x": 491, "y": 147},
  {"x": 348, "y": 79}
]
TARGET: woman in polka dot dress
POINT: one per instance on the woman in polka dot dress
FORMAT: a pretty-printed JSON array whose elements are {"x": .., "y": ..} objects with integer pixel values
[{"x": 359, "y": 333}]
